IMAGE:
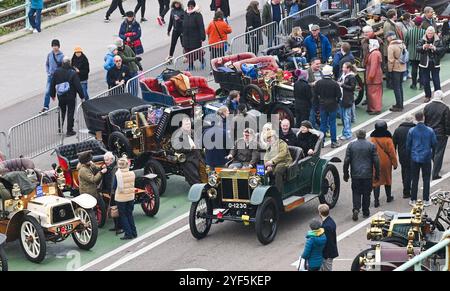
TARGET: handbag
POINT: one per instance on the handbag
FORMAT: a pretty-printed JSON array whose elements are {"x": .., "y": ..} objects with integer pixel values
[{"x": 113, "y": 211}]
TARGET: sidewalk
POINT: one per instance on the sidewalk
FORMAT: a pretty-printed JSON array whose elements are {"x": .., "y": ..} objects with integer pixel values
[{"x": 22, "y": 73}]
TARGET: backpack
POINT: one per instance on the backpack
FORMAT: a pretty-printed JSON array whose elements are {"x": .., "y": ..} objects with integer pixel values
[
  {"x": 404, "y": 56},
  {"x": 62, "y": 88},
  {"x": 168, "y": 73}
]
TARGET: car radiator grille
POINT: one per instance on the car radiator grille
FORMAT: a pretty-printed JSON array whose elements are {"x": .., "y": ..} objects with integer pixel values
[
  {"x": 235, "y": 190},
  {"x": 62, "y": 213}
]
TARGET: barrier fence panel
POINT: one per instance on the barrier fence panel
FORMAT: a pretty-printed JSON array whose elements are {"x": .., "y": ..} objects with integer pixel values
[
  {"x": 133, "y": 86},
  {"x": 287, "y": 23},
  {"x": 198, "y": 61},
  {"x": 256, "y": 40},
  {"x": 36, "y": 135},
  {"x": 4, "y": 152}
]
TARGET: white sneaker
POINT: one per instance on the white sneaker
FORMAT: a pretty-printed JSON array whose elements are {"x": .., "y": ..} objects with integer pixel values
[
  {"x": 30, "y": 28},
  {"x": 427, "y": 203},
  {"x": 35, "y": 31},
  {"x": 412, "y": 202}
]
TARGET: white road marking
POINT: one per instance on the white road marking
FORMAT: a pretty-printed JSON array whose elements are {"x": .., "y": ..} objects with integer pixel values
[
  {"x": 133, "y": 242},
  {"x": 350, "y": 231},
  {"x": 191, "y": 269},
  {"x": 146, "y": 249},
  {"x": 435, "y": 182}
]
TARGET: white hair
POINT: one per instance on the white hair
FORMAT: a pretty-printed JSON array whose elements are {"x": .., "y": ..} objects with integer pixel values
[
  {"x": 431, "y": 29},
  {"x": 428, "y": 9},
  {"x": 109, "y": 156},
  {"x": 367, "y": 28}
]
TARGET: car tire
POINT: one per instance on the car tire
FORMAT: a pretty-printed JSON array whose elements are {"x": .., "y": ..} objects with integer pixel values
[
  {"x": 119, "y": 144},
  {"x": 86, "y": 238},
  {"x": 283, "y": 112},
  {"x": 101, "y": 212},
  {"x": 155, "y": 167},
  {"x": 150, "y": 199},
  {"x": 36, "y": 250},
  {"x": 266, "y": 225},
  {"x": 254, "y": 97},
  {"x": 330, "y": 179},
  {"x": 194, "y": 220},
  {"x": 356, "y": 267},
  {"x": 359, "y": 94},
  {"x": 3, "y": 260}
]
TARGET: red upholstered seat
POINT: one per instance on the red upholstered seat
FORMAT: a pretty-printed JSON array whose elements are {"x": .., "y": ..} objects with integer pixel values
[
  {"x": 178, "y": 99},
  {"x": 205, "y": 93},
  {"x": 217, "y": 62},
  {"x": 152, "y": 84}
]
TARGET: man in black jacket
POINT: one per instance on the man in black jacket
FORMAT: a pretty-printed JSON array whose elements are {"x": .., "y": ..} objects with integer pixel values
[
  {"x": 66, "y": 84},
  {"x": 303, "y": 97},
  {"x": 330, "y": 252},
  {"x": 437, "y": 116},
  {"x": 399, "y": 138},
  {"x": 80, "y": 64},
  {"x": 118, "y": 75},
  {"x": 193, "y": 34},
  {"x": 286, "y": 133},
  {"x": 362, "y": 157}
]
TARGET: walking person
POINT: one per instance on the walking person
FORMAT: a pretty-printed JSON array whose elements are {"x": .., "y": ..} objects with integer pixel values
[
  {"x": 80, "y": 64},
  {"x": 175, "y": 26},
  {"x": 65, "y": 85},
  {"x": 163, "y": 9},
  {"x": 399, "y": 138},
  {"x": 218, "y": 31},
  {"x": 130, "y": 33},
  {"x": 412, "y": 37},
  {"x": 437, "y": 117},
  {"x": 330, "y": 252},
  {"x": 193, "y": 34},
  {"x": 54, "y": 61},
  {"x": 382, "y": 139},
  {"x": 133, "y": 63},
  {"x": 396, "y": 67},
  {"x": 125, "y": 198},
  {"x": 431, "y": 50},
  {"x": 312, "y": 256},
  {"x": 221, "y": 5},
  {"x": 114, "y": 5},
  {"x": 34, "y": 15},
  {"x": 252, "y": 22},
  {"x": 140, "y": 5},
  {"x": 420, "y": 144},
  {"x": 328, "y": 92},
  {"x": 362, "y": 158},
  {"x": 374, "y": 78},
  {"x": 303, "y": 98},
  {"x": 348, "y": 84}
]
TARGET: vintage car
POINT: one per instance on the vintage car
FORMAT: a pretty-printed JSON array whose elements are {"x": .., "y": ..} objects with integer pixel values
[
  {"x": 35, "y": 214},
  {"x": 3, "y": 258},
  {"x": 146, "y": 190},
  {"x": 249, "y": 195}
]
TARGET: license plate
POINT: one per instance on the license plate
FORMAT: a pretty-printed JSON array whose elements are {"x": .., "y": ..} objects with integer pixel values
[
  {"x": 64, "y": 228},
  {"x": 237, "y": 205}
]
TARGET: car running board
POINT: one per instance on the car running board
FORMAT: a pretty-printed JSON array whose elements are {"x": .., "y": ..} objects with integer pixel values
[{"x": 295, "y": 201}]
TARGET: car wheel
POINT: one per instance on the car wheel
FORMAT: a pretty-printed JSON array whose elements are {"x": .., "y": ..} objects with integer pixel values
[
  {"x": 359, "y": 90},
  {"x": 267, "y": 221},
  {"x": 283, "y": 112},
  {"x": 156, "y": 168},
  {"x": 119, "y": 144},
  {"x": 150, "y": 199},
  {"x": 32, "y": 240},
  {"x": 356, "y": 264},
  {"x": 254, "y": 96},
  {"x": 438, "y": 226},
  {"x": 3, "y": 260},
  {"x": 86, "y": 237},
  {"x": 398, "y": 241},
  {"x": 330, "y": 186},
  {"x": 199, "y": 224},
  {"x": 100, "y": 211}
]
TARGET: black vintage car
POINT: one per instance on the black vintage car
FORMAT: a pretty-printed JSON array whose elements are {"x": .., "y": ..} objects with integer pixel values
[{"x": 3, "y": 258}]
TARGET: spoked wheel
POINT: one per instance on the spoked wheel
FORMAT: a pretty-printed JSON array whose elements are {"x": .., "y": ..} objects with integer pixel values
[
  {"x": 267, "y": 221},
  {"x": 119, "y": 144},
  {"x": 150, "y": 199},
  {"x": 3, "y": 260},
  {"x": 32, "y": 240},
  {"x": 330, "y": 186},
  {"x": 155, "y": 167},
  {"x": 359, "y": 90},
  {"x": 357, "y": 264},
  {"x": 283, "y": 112},
  {"x": 86, "y": 236},
  {"x": 254, "y": 96},
  {"x": 100, "y": 212},
  {"x": 198, "y": 223}
]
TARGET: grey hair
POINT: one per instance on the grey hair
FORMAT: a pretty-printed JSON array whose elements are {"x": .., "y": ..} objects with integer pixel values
[
  {"x": 109, "y": 156},
  {"x": 361, "y": 134},
  {"x": 428, "y": 9},
  {"x": 431, "y": 28},
  {"x": 222, "y": 110},
  {"x": 367, "y": 28},
  {"x": 66, "y": 60},
  {"x": 409, "y": 119}
]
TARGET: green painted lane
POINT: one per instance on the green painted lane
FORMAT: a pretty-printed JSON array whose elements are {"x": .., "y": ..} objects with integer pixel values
[{"x": 66, "y": 255}]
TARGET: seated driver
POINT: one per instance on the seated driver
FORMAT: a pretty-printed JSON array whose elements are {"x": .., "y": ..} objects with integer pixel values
[
  {"x": 245, "y": 152},
  {"x": 307, "y": 138},
  {"x": 277, "y": 158}
]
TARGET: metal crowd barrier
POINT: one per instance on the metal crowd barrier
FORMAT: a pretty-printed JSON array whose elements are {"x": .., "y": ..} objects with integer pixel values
[
  {"x": 133, "y": 86},
  {"x": 256, "y": 40},
  {"x": 36, "y": 135},
  {"x": 4, "y": 145},
  {"x": 287, "y": 23},
  {"x": 199, "y": 61}
]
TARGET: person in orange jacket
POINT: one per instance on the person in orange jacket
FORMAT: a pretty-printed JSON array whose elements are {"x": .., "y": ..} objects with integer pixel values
[{"x": 218, "y": 31}]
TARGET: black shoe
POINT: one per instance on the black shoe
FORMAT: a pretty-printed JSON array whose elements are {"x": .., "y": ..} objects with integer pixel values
[
  {"x": 335, "y": 145},
  {"x": 406, "y": 196},
  {"x": 437, "y": 177},
  {"x": 113, "y": 229},
  {"x": 355, "y": 215},
  {"x": 414, "y": 87},
  {"x": 376, "y": 204},
  {"x": 143, "y": 19},
  {"x": 126, "y": 238},
  {"x": 366, "y": 215},
  {"x": 106, "y": 19},
  {"x": 71, "y": 133},
  {"x": 390, "y": 199},
  {"x": 420, "y": 87},
  {"x": 119, "y": 231}
]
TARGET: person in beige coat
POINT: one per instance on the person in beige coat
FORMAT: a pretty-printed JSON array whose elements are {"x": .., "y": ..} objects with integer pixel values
[
  {"x": 277, "y": 158},
  {"x": 89, "y": 175},
  {"x": 396, "y": 68},
  {"x": 125, "y": 198}
]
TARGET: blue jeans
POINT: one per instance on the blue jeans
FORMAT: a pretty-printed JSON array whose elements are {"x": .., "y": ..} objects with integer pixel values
[
  {"x": 298, "y": 60},
  {"x": 35, "y": 20},
  {"x": 353, "y": 113},
  {"x": 47, "y": 92},
  {"x": 397, "y": 80},
  {"x": 84, "y": 86},
  {"x": 312, "y": 117},
  {"x": 126, "y": 218},
  {"x": 426, "y": 80},
  {"x": 346, "y": 116},
  {"x": 328, "y": 121}
]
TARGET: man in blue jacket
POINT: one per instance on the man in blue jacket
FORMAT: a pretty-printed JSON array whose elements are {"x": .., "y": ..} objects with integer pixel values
[
  {"x": 54, "y": 61},
  {"x": 317, "y": 45},
  {"x": 420, "y": 144},
  {"x": 330, "y": 251},
  {"x": 130, "y": 33}
]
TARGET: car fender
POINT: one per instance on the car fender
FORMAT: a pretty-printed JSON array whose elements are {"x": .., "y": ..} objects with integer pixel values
[
  {"x": 317, "y": 176},
  {"x": 259, "y": 194},
  {"x": 14, "y": 223},
  {"x": 85, "y": 201},
  {"x": 196, "y": 191}
]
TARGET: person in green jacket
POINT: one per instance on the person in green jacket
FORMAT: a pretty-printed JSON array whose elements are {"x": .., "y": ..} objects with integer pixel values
[
  {"x": 89, "y": 175},
  {"x": 130, "y": 60}
]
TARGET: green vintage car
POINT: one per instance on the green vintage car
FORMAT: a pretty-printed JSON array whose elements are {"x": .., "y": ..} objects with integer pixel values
[{"x": 250, "y": 196}]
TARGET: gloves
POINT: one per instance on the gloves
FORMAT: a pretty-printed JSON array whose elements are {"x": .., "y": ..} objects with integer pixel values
[
  {"x": 140, "y": 67},
  {"x": 138, "y": 59},
  {"x": 346, "y": 177}
]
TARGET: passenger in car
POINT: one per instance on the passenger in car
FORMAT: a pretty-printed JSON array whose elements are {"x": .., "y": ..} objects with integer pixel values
[
  {"x": 277, "y": 158},
  {"x": 286, "y": 132},
  {"x": 245, "y": 152},
  {"x": 306, "y": 139}
]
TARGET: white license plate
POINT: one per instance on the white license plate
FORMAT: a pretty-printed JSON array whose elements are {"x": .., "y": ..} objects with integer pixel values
[{"x": 237, "y": 205}]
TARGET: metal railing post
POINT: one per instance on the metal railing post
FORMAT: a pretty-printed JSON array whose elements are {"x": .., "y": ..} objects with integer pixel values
[
  {"x": 27, "y": 10},
  {"x": 318, "y": 8},
  {"x": 75, "y": 6}
]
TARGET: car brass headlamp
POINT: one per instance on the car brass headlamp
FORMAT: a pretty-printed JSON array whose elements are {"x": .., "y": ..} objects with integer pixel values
[
  {"x": 136, "y": 131},
  {"x": 16, "y": 191},
  {"x": 212, "y": 193},
  {"x": 213, "y": 180},
  {"x": 254, "y": 181}
]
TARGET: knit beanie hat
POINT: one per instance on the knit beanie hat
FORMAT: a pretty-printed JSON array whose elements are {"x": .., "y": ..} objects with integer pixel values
[
  {"x": 315, "y": 224},
  {"x": 118, "y": 42},
  {"x": 307, "y": 124},
  {"x": 85, "y": 157},
  {"x": 112, "y": 48},
  {"x": 191, "y": 3}
]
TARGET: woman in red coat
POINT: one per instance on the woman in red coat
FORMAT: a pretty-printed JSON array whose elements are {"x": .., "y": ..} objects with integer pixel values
[
  {"x": 382, "y": 139},
  {"x": 374, "y": 78}
]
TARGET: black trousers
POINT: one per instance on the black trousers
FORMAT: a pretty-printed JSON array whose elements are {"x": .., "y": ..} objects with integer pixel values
[
  {"x": 67, "y": 104},
  {"x": 113, "y": 6},
  {"x": 438, "y": 154},
  {"x": 377, "y": 190},
  {"x": 301, "y": 115},
  {"x": 406, "y": 178},
  {"x": 426, "y": 177},
  {"x": 140, "y": 5},
  {"x": 173, "y": 43},
  {"x": 361, "y": 189},
  {"x": 397, "y": 85},
  {"x": 163, "y": 7},
  {"x": 415, "y": 71}
]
